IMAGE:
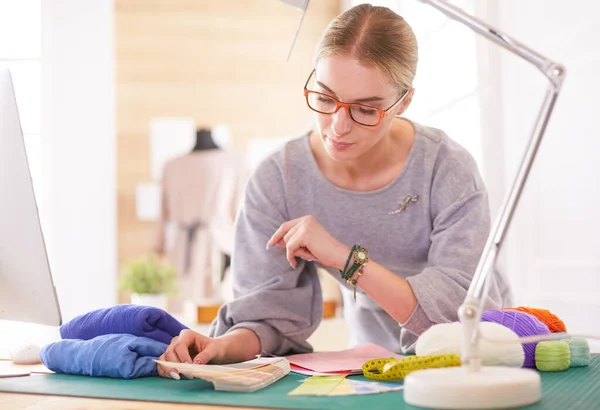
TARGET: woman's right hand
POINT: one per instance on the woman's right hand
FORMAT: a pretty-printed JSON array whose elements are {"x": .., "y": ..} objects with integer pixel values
[{"x": 191, "y": 347}]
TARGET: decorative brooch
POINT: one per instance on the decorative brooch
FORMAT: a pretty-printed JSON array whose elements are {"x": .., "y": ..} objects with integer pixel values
[{"x": 410, "y": 198}]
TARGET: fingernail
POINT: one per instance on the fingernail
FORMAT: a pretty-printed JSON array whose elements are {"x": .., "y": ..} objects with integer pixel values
[
  {"x": 197, "y": 361},
  {"x": 187, "y": 376},
  {"x": 267, "y": 247},
  {"x": 174, "y": 376}
]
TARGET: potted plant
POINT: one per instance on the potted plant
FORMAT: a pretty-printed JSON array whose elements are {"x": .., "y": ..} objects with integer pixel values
[{"x": 149, "y": 280}]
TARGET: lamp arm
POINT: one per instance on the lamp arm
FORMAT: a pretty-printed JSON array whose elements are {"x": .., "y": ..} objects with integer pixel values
[
  {"x": 469, "y": 312},
  {"x": 544, "y": 64}
]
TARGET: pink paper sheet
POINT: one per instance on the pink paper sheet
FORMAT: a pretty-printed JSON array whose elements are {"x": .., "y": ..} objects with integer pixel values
[{"x": 350, "y": 360}]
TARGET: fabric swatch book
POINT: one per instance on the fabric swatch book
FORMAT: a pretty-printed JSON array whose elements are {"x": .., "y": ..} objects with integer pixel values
[
  {"x": 340, "y": 363},
  {"x": 237, "y": 377}
]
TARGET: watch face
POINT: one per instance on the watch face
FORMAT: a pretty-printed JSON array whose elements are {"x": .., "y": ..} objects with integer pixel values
[{"x": 361, "y": 255}]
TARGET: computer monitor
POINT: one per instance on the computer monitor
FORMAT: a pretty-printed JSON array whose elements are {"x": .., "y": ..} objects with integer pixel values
[{"x": 27, "y": 292}]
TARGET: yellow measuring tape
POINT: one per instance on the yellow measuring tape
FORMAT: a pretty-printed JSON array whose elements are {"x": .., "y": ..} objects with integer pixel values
[{"x": 397, "y": 369}]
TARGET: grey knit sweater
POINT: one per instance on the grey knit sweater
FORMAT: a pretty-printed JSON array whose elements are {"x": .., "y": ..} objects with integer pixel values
[{"x": 435, "y": 243}]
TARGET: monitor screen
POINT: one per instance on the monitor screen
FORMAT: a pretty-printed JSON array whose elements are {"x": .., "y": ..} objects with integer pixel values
[{"x": 27, "y": 292}]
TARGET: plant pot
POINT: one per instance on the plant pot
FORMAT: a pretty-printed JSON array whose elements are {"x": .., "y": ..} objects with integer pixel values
[{"x": 158, "y": 300}]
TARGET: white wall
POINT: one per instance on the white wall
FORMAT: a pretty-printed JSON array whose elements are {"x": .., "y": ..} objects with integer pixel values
[
  {"x": 78, "y": 129},
  {"x": 551, "y": 254}
]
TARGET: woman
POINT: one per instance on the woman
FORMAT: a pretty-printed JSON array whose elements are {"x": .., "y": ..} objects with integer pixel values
[{"x": 396, "y": 211}]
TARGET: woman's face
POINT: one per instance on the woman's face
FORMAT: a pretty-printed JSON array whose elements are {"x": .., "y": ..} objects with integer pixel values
[{"x": 347, "y": 80}]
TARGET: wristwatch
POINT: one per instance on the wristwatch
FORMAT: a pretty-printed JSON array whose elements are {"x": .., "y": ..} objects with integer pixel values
[{"x": 359, "y": 257}]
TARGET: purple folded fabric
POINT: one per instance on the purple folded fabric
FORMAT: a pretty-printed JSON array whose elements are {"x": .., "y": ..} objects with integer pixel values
[{"x": 144, "y": 321}]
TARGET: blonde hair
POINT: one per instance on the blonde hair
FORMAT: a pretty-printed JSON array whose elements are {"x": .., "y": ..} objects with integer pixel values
[{"x": 375, "y": 36}]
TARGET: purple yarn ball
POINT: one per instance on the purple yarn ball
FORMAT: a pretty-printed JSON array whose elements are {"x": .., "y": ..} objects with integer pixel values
[{"x": 523, "y": 324}]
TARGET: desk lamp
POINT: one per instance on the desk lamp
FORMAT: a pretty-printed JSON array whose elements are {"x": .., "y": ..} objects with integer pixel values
[{"x": 473, "y": 386}]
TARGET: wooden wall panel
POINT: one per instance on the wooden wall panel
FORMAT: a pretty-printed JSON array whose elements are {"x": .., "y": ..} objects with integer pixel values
[{"x": 219, "y": 62}]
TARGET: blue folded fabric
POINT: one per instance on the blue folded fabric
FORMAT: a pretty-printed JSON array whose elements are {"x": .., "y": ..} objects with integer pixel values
[
  {"x": 145, "y": 321},
  {"x": 116, "y": 355}
]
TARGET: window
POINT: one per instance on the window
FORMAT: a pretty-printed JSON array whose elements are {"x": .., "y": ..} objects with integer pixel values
[
  {"x": 20, "y": 52},
  {"x": 446, "y": 83}
]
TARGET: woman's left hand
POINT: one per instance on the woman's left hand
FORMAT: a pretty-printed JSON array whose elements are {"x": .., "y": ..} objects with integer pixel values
[{"x": 306, "y": 238}]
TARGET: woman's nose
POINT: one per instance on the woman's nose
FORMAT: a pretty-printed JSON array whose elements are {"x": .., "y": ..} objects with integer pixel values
[{"x": 341, "y": 123}]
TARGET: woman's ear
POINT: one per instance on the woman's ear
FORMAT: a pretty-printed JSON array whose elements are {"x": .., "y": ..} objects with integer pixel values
[{"x": 405, "y": 102}]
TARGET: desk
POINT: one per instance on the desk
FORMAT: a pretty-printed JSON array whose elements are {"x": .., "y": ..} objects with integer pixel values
[
  {"x": 575, "y": 389},
  {"x": 18, "y": 401},
  {"x": 14, "y": 401}
]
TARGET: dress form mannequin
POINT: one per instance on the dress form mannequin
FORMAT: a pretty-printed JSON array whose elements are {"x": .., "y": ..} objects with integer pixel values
[
  {"x": 193, "y": 186},
  {"x": 204, "y": 140}
]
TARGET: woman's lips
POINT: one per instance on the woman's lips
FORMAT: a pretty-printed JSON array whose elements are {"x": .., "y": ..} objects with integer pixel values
[{"x": 338, "y": 145}]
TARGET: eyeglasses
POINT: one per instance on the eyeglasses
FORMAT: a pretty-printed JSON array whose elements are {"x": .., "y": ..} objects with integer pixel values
[{"x": 359, "y": 113}]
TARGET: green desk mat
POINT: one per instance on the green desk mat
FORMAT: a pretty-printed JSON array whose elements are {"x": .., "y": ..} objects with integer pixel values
[{"x": 576, "y": 388}]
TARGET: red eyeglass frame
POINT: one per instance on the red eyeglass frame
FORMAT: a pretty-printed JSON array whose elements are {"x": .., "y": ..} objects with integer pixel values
[{"x": 339, "y": 104}]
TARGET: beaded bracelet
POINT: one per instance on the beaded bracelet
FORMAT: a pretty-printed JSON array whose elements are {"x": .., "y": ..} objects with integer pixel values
[
  {"x": 352, "y": 282},
  {"x": 360, "y": 256},
  {"x": 343, "y": 272}
]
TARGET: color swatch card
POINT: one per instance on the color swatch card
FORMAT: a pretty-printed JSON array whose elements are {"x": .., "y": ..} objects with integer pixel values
[
  {"x": 238, "y": 377},
  {"x": 344, "y": 362},
  {"x": 317, "y": 386},
  {"x": 350, "y": 387},
  {"x": 341, "y": 386}
]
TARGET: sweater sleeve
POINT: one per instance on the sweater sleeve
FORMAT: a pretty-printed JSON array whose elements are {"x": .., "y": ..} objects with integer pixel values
[
  {"x": 282, "y": 305},
  {"x": 460, "y": 227}
]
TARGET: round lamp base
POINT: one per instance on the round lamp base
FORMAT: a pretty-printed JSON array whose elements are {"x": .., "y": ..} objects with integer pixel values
[{"x": 491, "y": 387}]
